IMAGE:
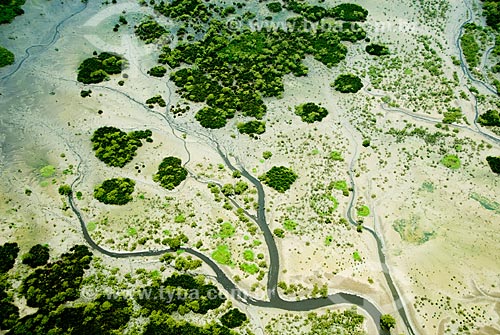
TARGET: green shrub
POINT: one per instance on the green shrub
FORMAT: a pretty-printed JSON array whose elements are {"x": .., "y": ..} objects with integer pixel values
[
  {"x": 494, "y": 163},
  {"x": 252, "y": 127},
  {"x": 469, "y": 45},
  {"x": 491, "y": 118},
  {"x": 115, "y": 147},
  {"x": 349, "y": 12},
  {"x": 452, "y": 115},
  {"x": 336, "y": 156},
  {"x": 451, "y": 162},
  {"x": 149, "y": 31},
  {"x": 274, "y": 7},
  {"x": 6, "y": 57},
  {"x": 8, "y": 255},
  {"x": 267, "y": 154},
  {"x": 212, "y": 118},
  {"x": 37, "y": 256},
  {"x": 233, "y": 318},
  {"x": 98, "y": 68},
  {"x": 116, "y": 191},
  {"x": 65, "y": 190},
  {"x": 279, "y": 178},
  {"x": 170, "y": 173},
  {"x": 279, "y": 232},
  {"x": 157, "y": 71},
  {"x": 347, "y": 83},
  {"x": 377, "y": 49},
  {"x": 157, "y": 99},
  {"x": 310, "y": 112},
  {"x": 387, "y": 322}
]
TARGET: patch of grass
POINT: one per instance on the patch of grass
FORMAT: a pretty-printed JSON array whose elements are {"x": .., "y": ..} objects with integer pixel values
[
  {"x": 340, "y": 185},
  {"x": 131, "y": 231},
  {"x": 91, "y": 226},
  {"x": 428, "y": 186},
  {"x": 363, "y": 211},
  {"x": 328, "y": 240},
  {"x": 47, "y": 171},
  {"x": 226, "y": 230},
  {"x": 324, "y": 204},
  {"x": 180, "y": 218},
  {"x": 356, "y": 256},
  {"x": 451, "y": 162},
  {"x": 486, "y": 203},
  {"x": 410, "y": 230},
  {"x": 222, "y": 255},
  {"x": 289, "y": 225},
  {"x": 249, "y": 268},
  {"x": 336, "y": 156},
  {"x": 248, "y": 255}
]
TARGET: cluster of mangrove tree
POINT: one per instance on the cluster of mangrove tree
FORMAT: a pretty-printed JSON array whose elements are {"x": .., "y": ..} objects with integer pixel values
[
  {"x": 494, "y": 163},
  {"x": 6, "y": 57},
  {"x": 231, "y": 71},
  {"x": 252, "y": 128},
  {"x": 344, "y": 12},
  {"x": 170, "y": 173},
  {"x": 377, "y": 49},
  {"x": 99, "y": 67},
  {"x": 347, "y": 83},
  {"x": 116, "y": 147},
  {"x": 115, "y": 191},
  {"x": 9, "y": 9},
  {"x": 149, "y": 31},
  {"x": 310, "y": 112},
  {"x": 490, "y": 118},
  {"x": 279, "y": 178}
]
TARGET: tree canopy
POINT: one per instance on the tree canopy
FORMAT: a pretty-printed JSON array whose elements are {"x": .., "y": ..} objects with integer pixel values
[
  {"x": 98, "y": 68},
  {"x": 387, "y": 322},
  {"x": 37, "y": 256},
  {"x": 115, "y": 147},
  {"x": 347, "y": 83},
  {"x": 491, "y": 118},
  {"x": 9, "y": 9},
  {"x": 310, "y": 112},
  {"x": 377, "y": 49},
  {"x": 116, "y": 191},
  {"x": 233, "y": 318},
  {"x": 6, "y": 57},
  {"x": 494, "y": 163},
  {"x": 170, "y": 173},
  {"x": 279, "y": 177}
]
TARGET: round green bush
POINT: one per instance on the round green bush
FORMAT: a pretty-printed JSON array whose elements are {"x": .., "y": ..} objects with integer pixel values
[
  {"x": 347, "y": 83},
  {"x": 116, "y": 191}
]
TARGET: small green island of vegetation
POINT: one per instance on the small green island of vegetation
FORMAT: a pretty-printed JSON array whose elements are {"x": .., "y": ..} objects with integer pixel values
[
  {"x": 310, "y": 112},
  {"x": 490, "y": 118},
  {"x": 347, "y": 83},
  {"x": 494, "y": 163},
  {"x": 6, "y": 57},
  {"x": 451, "y": 162},
  {"x": 232, "y": 70},
  {"x": 99, "y": 67},
  {"x": 170, "y": 173},
  {"x": 252, "y": 128},
  {"x": 116, "y": 191},
  {"x": 149, "y": 31},
  {"x": 116, "y": 147},
  {"x": 9, "y": 9},
  {"x": 279, "y": 178},
  {"x": 375, "y": 49}
]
